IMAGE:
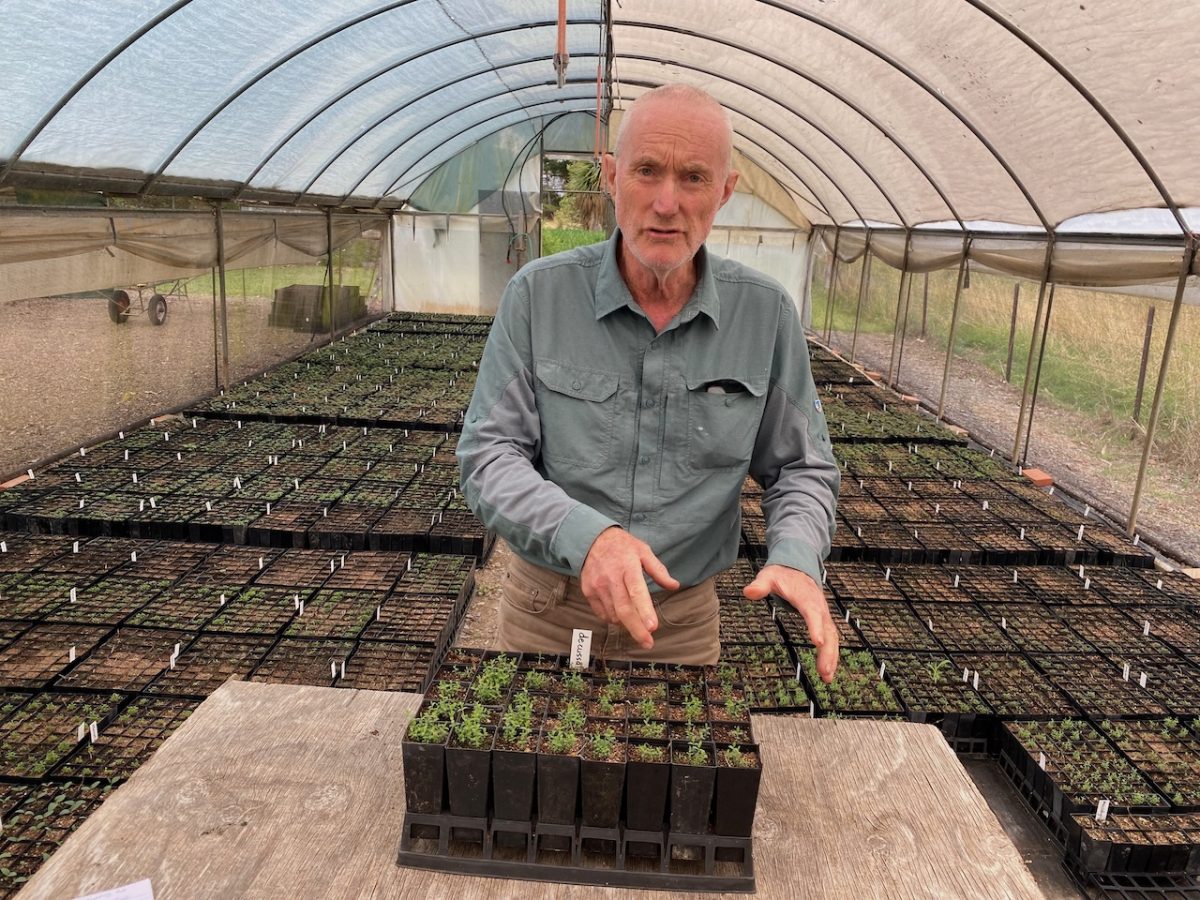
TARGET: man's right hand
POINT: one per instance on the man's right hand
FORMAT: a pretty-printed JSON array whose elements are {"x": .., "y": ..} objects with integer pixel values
[{"x": 613, "y": 583}]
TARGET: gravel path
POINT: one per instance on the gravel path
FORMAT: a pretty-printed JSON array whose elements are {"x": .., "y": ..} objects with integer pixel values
[
  {"x": 1099, "y": 472},
  {"x": 68, "y": 374}
]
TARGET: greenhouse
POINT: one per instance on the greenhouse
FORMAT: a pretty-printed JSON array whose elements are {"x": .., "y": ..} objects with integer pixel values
[{"x": 250, "y": 258}]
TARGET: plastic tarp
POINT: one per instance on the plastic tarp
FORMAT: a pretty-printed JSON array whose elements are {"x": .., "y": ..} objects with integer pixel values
[
  {"x": 988, "y": 110},
  {"x": 56, "y": 253}
]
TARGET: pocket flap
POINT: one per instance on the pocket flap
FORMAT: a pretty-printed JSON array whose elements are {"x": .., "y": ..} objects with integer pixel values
[
  {"x": 583, "y": 384},
  {"x": 728, "y": 384}
]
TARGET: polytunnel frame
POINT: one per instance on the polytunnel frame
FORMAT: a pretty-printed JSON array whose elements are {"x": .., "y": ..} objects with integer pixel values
[{"x": 1050, "y": 232}]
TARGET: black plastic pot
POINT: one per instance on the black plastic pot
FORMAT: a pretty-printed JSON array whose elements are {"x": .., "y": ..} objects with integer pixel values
[
  {"x": 424, "y": 776},
  {"x": 557, "y": 788},
  {"x": 513, "y": 778},
  {"x": 603, "y": 785},
  {"x": 646, "y": 785},
  {"x": 468, "y": 778},
  {"x": 691, "y": 794},
  {"x": 737, "y": 796}
]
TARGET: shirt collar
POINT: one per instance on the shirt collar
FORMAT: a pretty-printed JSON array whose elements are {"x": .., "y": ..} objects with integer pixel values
[{"x": 612, "y": 293}]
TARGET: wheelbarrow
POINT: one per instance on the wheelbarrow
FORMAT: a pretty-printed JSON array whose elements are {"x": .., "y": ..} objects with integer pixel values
[{"x": 151, "y": 299}]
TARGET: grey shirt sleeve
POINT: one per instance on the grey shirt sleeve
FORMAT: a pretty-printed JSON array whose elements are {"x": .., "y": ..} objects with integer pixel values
[
  {"x": 500, "y": 446},
  {"x": 793, "y": 458}
]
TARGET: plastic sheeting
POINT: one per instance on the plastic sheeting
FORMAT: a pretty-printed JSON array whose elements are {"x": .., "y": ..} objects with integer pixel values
[
  {"x": 1078, "y": 263},
  {"x": 944, "y": 111},
  {"x": 56, "y": 253}
]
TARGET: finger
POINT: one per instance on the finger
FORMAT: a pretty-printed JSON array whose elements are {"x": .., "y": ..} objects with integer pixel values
[
  {"x": 636, "y": 612},
  {"x": 655, "y": 568},
  {"x": 815, "y": 614},
  {"x": 602, "y": 611},
  {"x": 758, "y": 588},
  {"x": 827, "y": 656}
]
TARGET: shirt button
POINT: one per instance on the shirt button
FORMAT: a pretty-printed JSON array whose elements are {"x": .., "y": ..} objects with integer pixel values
[
  {"x": 639, "y": 517},
  {"x": 575, "y": 385},
  {"x": 644, "y": 460},
  {"x": 648, "y": 404},
  {"x": 654, "y": 345},
  {"x": 729, "y": 401}
]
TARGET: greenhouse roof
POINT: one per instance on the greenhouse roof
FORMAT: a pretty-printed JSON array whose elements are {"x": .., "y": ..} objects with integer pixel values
[{"x": 950, "y": 111}]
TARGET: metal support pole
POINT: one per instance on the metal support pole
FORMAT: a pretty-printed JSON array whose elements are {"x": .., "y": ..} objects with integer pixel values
[
  {"x": 1012, "y": 332},
  {"x": 1038, "y": 373},
  {"x": 958, "y": 289},
  {"x": 904, "y": 282},
  {"x": 1141, "y": 385},
  {"x": 1033, "y": 338},
  {"x": 224, "y": 304},
  {"x": 1189, "y": 256},
  {"x": 329, "y": 269},
  {"x": 864, "y": 285},
  {"x": 831, "y": 289},
  {"x": 925, "y": 306},
  {"x": 393, "y": 249},
  {"x": 903, "y": 331},
  {"x": 216, "y": 350}
]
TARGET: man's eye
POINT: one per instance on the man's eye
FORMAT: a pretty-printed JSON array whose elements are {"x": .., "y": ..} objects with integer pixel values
[{"x": 645, "y": 171}]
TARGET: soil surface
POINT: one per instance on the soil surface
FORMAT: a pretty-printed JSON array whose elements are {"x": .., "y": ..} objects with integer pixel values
[
  {"x": 1099, "y": 472},
  {"x": 479, "y": 623}
]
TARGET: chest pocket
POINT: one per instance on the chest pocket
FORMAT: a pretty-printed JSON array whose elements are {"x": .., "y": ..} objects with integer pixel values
[
  {"x": 578, "y": 411},
  {"x": 723, "y": 417}
]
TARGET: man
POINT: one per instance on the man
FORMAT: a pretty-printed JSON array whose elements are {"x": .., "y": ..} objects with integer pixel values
[{"x": 625, "y": 391}]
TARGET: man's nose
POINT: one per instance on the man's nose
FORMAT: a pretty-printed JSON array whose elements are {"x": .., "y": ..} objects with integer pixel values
[{"x": 666, "y": 197}]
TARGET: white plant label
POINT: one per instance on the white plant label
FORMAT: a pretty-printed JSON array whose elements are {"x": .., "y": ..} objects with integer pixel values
[
  {"x": 966, "y": 675},
  {"x": 882, "y": 669},
  {"x": 1125, "y": 672},
  {"x": 378, "y": 610},
  {"x": 1014, "y": 576},
  {"x": 71, "y": 654},
  {"x": 1079, "y": 536},
  {"x": 581, "y": 648},
  {"x": 1022, "y": 534},
  {"x": 1102, "y": 810},
  {"x": 812, "y": 710},
  {"x": 343, "y": 669},
  {"x": 956, "y": 580},
  {"x": 1159, "y": 584},
  {"x": 847, "y": 616},
  {"x": 1004, "y": 623},
  {"x": 73, "y": 594},
  {"x": 1042, "y": 761},
  {"x": 797, "y": 672},
  {"x": 887, "y": 574},
  {"x": 260, "y": 563},
  {"x": 333, "y": 670},
  {"x": 78, "y": 478},
  {"x": 80, "y": 732},
  {"x": 94, "y": 732},
  {"x": 1146, "y": 628},
  {"x": 133, "y": 556},
  {"x": 1087, "y": 584},
  {"x": 222, "y": 599},
  {"x": 1137, "y": 539},
  {"x": 76, "y": 547},
  {"x": 1142, "y": 679},
  {"x": 3, "y": 546},
  {"x": 975, "y": 680}
]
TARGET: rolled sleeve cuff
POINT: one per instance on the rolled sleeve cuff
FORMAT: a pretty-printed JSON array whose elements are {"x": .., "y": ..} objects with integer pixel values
[
  {"x": 796, "y": 555},
  {"x": 576, "y": 535}
]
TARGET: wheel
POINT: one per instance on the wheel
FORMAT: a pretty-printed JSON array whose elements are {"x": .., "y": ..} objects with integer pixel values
[
  {"x": 156, "y": 309},
  {"x": 118, "y": 306}
]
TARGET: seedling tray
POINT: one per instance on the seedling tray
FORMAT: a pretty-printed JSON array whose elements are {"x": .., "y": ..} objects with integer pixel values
[{"x": 595, "y": 856}]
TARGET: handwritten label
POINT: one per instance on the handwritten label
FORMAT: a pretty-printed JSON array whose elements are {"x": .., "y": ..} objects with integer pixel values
[
  {"x": 1102, "y": 810},
  {"x": 139, "y": 890},
  {"x": 581, "y": 648}
]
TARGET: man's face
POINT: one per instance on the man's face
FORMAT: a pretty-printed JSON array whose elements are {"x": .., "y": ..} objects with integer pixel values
[{"x": 671, "y": 178}]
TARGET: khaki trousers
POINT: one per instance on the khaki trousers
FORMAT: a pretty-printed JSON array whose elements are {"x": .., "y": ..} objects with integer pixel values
[{"x": 539, "y": 608}]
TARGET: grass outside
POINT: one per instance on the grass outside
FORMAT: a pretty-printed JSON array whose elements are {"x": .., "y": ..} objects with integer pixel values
[
  {"x": 1093, "y": 352},
  {"x": 556, "y": 240}
]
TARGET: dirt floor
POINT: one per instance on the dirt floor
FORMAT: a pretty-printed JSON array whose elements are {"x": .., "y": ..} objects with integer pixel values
[
  {"x": 1099, "y": 472},
  {"x": 67, "y": 373}
]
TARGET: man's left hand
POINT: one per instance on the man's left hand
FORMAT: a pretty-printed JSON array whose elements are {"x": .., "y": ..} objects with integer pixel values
[{"x": 806, "y": 596}]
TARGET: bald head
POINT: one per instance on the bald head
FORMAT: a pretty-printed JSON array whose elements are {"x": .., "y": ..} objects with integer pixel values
[{"x": 700, "y": 105}]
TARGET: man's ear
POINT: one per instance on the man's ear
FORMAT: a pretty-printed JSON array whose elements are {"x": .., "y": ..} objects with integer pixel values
[
  {"x": 730, "y": 184},
  {"x": 608, "y": 173}
]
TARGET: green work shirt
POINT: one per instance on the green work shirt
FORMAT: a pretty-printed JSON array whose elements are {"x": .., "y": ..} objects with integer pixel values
[{"x": 584, "y": 417}]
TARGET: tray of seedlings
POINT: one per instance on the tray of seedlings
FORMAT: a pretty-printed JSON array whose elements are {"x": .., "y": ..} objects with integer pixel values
[{"x": 632, "y": 775}]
